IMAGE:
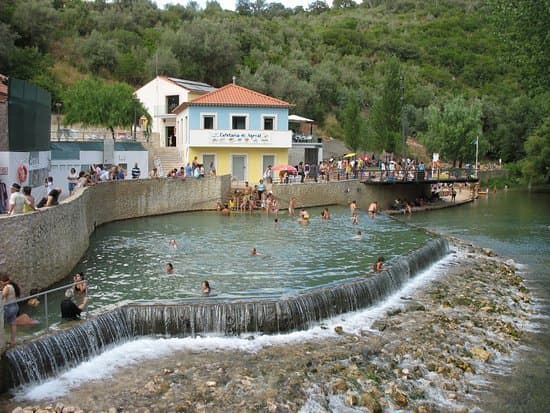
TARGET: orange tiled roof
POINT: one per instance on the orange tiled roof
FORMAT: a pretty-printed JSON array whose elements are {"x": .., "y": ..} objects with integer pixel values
[{"x": 235, "y": 95}]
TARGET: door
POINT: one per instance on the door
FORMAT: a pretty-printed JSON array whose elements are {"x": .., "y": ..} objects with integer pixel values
[
  {"x": 209, "y": 162},
  {"x": 170, "y": 136},
  {"x": 238, "y": 169},
  {"x": 266, "y": 161}
]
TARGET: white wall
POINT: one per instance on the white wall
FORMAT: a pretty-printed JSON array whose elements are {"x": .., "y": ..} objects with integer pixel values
[
  {"x": 60, "y": 168},
  {"x": 36, "y": 163},
  {"x": 153, "y": 96}
]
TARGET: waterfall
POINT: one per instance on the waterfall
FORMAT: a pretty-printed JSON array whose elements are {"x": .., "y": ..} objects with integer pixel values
[
  {"x": 46, "y": 356},
  {"x": 49, "y": 355}
]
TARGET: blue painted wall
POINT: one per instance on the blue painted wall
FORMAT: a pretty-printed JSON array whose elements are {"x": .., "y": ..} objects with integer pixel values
[{"x": 223, "y": 115}]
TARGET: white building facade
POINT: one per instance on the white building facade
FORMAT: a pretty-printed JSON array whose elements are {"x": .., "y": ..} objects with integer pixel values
[{"x": 160, "y": 97}]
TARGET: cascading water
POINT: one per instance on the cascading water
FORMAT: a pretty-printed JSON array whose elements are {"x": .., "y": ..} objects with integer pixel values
[{"x": 46, "y": 356}]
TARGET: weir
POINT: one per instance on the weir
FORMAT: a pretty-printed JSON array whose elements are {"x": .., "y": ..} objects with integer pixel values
[{"x": 47, "y": 356}]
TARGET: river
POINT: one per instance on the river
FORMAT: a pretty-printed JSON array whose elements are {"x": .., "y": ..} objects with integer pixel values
[{"x": 514, "y": 224}]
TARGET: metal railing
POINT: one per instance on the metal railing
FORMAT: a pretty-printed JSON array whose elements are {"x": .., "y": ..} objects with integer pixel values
[
  {"x": 386, "y": 176},
  {"x": 44, "y": 294},
  {"x": 72, "y": 135}
]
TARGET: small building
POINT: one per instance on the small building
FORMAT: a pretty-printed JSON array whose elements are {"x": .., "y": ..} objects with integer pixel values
[
  {"x": 25, "y": 113},
  {"x": 236, "y": 131},
  {"x": 160, "y": 96},
  {"x": 81, "y": 155}
]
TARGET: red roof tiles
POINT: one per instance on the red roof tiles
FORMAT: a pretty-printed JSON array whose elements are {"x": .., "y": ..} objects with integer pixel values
[{"x": 235, "y": 95}]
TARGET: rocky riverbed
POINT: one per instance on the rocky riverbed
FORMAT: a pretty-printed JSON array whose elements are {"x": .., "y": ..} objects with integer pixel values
[{"x": 432, "y": 352}]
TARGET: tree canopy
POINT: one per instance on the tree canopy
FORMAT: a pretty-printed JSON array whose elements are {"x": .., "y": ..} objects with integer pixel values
[
  {"x": 95, "y": 102},
  {"x": 493, "y": 50}
]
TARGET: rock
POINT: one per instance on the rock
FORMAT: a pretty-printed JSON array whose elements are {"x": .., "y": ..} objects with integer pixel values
[
  {"x": 488, "y": 252},
  {"x": 69, "y": 409},
  {"x": 352, "y": 399},
  {"x": 369, "y": 401},
  {"x": 112, "y": 410},
  {"x": 480, "y": 353},
  {"x": 211, "y": 383},
  {"x": 393, "y": 311},
  {"x": 399, "y": 397},
  {"x": 339, "y": 386},
  {"x": 379, "y": 325},
  {"x": 414, "y": 306},
  {"x": 17, "y": 410}
]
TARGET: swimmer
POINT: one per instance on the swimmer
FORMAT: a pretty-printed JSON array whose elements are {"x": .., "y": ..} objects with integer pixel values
[
  {"x": 254, "y": 252},
  {"x": 276, "y": 222},
  {"x": 169, "y": 268},
  {"x": 291, "y": 206},
  {"x": 355, "y": 219},
  {"x": 205, "y": 288},
  {"x": 378, "y": 264},
  {"x": 359, "y": 235},
  {"x": 353, "y": 206},
  {"x": 373, "y": 209},
  {"x": 304, "y": 217},
  {"x": 325, "y": 214},
  {"x": 173, "y": 243}
]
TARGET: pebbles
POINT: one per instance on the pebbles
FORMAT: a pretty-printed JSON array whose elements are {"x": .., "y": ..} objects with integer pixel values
[{"x": 426, "y": 357}]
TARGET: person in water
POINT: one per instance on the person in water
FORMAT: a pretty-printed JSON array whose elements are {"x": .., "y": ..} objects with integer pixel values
[
  {"x": 373, "y": 209},
  {"x": 378, "y": 264},
  {"x": 205, "y": 288},
  {"x": 254, "y": 252},
  {"x": 169, "y": 268}
]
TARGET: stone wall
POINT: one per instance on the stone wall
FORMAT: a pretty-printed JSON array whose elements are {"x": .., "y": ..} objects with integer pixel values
[
  {"x": 486, "y": 175},
  {"x": 41, "y": 248},
  {"x": 343, "y": 192}
]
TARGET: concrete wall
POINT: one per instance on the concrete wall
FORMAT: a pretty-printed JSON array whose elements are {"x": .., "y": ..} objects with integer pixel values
[
  {"x": 41, "y": 248},
  {"x": 343, "y": 192},
  {"x": 485, "y": 176}
]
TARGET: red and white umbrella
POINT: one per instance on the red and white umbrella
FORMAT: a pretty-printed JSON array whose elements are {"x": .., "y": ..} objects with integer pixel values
[{"x": 288, "y": 168}]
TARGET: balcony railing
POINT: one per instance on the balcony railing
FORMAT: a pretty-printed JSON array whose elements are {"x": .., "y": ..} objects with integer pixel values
[{"x": 66, "y": 135}]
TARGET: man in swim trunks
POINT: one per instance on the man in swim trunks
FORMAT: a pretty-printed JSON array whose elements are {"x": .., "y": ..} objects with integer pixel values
[{"x": 373, "y": 209}]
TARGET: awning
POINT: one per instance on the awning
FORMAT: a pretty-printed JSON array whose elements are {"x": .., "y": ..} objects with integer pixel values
[{"x": 296, "y": 118}]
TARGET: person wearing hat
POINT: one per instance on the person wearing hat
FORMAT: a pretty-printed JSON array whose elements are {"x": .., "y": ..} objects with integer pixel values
[{"x": 17, "y": 200}]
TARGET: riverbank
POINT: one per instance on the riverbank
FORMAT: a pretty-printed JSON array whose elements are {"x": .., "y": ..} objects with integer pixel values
[{"x": 431, "y": 352}]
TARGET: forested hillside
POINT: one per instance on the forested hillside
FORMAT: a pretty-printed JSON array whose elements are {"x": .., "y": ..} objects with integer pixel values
[{"x": 448, "y": 70}]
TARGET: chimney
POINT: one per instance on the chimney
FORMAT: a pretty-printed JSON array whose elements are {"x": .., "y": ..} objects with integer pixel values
[{"x": 234, "y": 80}]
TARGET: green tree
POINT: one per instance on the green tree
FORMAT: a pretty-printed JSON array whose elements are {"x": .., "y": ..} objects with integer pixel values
[
  {"x": 536, "y": 165},
  {"x": 452, "y": 129},
  {"x": 524, "y": 28},
  {"x": 352, "y": 123},
  {"x": 384, "y": 123},
  {"x": 35, "y": 20},
  {"x": 95, "y": 102}
]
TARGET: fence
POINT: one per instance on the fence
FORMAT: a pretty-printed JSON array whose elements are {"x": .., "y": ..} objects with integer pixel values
[
  {"x": 43, "y": 302},
  {"x": 386, "y": 176},
  {"x": 64, "y": 135}
]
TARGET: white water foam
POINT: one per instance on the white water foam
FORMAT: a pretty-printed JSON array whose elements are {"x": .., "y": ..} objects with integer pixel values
[{"x": 131, "y": 353}]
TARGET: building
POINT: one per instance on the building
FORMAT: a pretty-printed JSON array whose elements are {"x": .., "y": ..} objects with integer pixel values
[
  {"x": 25, "y": 113},
  {"x": 160, "y": 96},
  {"x": 234, "y": 130}
]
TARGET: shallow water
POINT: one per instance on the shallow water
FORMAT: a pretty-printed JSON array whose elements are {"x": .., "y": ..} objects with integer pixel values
[
  {"x": 126, "y": 260},
  {"x": 517, "y": 225}
]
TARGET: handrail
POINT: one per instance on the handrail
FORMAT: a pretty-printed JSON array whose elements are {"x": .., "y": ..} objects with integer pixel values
[{"x": 45, "y": 294}]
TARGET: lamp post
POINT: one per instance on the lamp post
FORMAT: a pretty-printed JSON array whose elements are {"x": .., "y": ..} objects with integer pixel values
[
  {"x": 58, "y": 116},
  {"x": 403, "y": 126}
]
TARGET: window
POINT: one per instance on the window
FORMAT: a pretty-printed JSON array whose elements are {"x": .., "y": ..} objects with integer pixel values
[
  {"x": 238, "y": 122},
  {"x": 172, "y": 102},
  {"x": 208, "y": 122},
  {"x": 269, "y": 123}
]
